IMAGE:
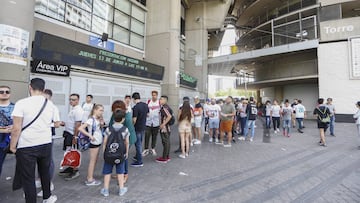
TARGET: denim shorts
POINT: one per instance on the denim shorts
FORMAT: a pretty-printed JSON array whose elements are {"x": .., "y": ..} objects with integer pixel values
[
  {"x": 214, "y": 123},
  {"x": 107, "y": 169}
]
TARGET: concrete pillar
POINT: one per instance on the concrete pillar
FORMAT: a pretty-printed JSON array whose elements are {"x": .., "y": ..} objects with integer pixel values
[
  {"x": 279, "y": 93},
  {"x": 19, "y": 14},
  {"x": 163, "y": 43}
]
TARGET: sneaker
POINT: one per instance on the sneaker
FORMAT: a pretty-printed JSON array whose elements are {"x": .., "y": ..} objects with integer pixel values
[
  {"x": 37, "y": 183},
  {"x": 153, "y": 152},
  {"x": 216, "y": 140},
  {"x": 187, "y": 154},
  {"x": 227, "y": 145},
  {"x": 92, "y": 183},
  {"x": 51, "y": 199},
  {"x": 206, "y": 133},
  {"x": 182, "y": 156},
  {"x": 197, "y": 142},
  {"x": 168, "y": 159},
  {"x": 122, "y": 191},
  {"x": 210, "y": 139},
  {"x": 73, "y": 175},
  {"x": 104, "y": 192},
  {"x": 323, "y": 144},
  {"x": 220, "y": 143},
  {"x": 300, "y": 131},
  {"x": 333, "y": 135},
  {"x": 242, "y": 138},
  {"x": 137, "y": 164},
  {"x": 251, "y": 139},
  {"x": 275, "y": 131},
  {"x": 161, "y": 160},
  {"x": 66, "y": 172},
  {"x": 40, "y": 194},
  {"x": 145, "y": 152}
]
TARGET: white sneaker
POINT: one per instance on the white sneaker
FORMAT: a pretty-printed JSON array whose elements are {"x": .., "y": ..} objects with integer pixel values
[
  {"x": 52, "y": 187},
  {"x": 182, "y": 156},
  {"x": 206, "y": 133},
  {"x": 242, "y": 138},
  {"x": 197, "y": 142},
  {"x": 51, "y": 199},
  {"x": 227, "y": 145},
  {"x": 153, "y": 152},
  {"x": 210, "y": 140},
  {"x": 216, "y": 140},
  {"x": 251, "y": 139},
  {"x": 145, "y": 152},
  {"x": 219, "y": 143}
]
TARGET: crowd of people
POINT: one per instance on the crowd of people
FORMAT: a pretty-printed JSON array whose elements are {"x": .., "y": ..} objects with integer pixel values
[{"x": 27, "y": 127}]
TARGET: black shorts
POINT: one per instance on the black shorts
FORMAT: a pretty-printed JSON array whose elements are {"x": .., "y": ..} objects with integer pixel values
[
  {"x": 68, "y": 137},
  {"x": 322, "y": 125},
  {"x": 94, "y": 146}
]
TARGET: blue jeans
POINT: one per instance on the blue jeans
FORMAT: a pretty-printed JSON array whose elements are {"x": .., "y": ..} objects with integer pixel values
[
  {"x": 138, "y": 145},
  {"x": 243, "y": 124},
  {"x": 287, "y": 126},
  {"x": 300, "y": 122},
  {"x": 251, "y": 125},
  {"x": 268, "y": 122},
  {"x": 332, "y": 124}
]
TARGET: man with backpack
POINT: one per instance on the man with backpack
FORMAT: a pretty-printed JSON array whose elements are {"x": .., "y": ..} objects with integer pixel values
[
  {"x": 167, "y": 119},
  {"x": 323, "y": 119}
]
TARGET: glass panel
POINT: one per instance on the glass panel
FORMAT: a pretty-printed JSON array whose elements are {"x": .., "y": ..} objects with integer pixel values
[
  {"x": 111, "y": 2},
  {"x": 120, "y": 34},
  {"x": 100, "y": 26},
  {"x": 54, "y": 9},
  {"x": 103, "y": 10},
  {"x": 123, "y": 5},
  {"x": 138, "y": 13},
  {"x": 137, "y": 41},
  {"x": 122, "y": 19},
  {"x": 84, "y": 4},
  {"x": 137, "y": 27},
  {"x": 78, "y": 17}
]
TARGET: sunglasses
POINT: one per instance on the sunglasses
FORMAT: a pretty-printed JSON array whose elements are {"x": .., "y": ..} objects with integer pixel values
[
  {"x": 72, "y": 99},
  {"x": 4, "y": 92}
]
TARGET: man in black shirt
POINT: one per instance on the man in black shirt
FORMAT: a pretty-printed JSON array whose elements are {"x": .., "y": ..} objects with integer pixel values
[{"x": 140, "y": 111}]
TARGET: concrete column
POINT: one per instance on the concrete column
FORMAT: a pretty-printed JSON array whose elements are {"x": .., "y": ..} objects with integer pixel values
[
  {"x": 163, "y": 42},
  {"x": 279, "y": 93},
  {"x": 20, "y": 14}
]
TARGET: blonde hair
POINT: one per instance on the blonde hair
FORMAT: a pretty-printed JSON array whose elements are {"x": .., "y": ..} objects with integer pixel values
[{"x": 95, "y": 107}]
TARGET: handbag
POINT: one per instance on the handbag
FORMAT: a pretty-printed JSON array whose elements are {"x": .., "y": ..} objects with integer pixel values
[
  {"x": 72, "y": 158},
  {"x": 83, "y": 140},
  {"x": 7, "y": 148}
]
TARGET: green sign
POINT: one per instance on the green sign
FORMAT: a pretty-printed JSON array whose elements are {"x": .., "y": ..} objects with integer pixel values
[{"x": 187, "y": 80}]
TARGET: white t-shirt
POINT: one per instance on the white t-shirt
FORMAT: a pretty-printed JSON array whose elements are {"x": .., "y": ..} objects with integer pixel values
[
  {"x": 76, "y": 114},
  {"x": 39, "y": 132},
  {"x": 275, "y": 109},
  {"x": 153, "y": 118},
  {"x": 299, "y": 111},
  {"x": 213, "y": 111},
  {"x": 87, "y": 107},
  {"x": 97, "y": 134}
]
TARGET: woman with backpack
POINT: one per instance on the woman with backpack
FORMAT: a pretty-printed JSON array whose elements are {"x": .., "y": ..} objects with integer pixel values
[
  {"x": 184, "y": 117},
  {"x": 323, "y": 119},
  {"x": 94, "y": 124}
]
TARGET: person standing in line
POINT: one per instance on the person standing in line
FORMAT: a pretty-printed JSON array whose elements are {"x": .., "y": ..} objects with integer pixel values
[
  {"x": 331, "y": 107},
  {"x": 95, "y": 119},
  {"x": 87, "y": 106},
  {"x": 243, "y": 119},
  {"x": 268, "y": 114},
  {"x": 31, "y": 141},
  {"x": 300, "y": 113},
  {"x": 321, "y": 112},
  {"x": 286, "y": 113},
  {"x": 213, "y": 112},
  {"x": 227, "y": 118},
  {"x": 275, "y": 115},
  {"x": 357, "y": 117},
  {"x": 140, "y": 111},
  {"x": 198, "y": 113},
  {"x": 71, "y": 132},
  {"x": 120, "y": 105},
  {"x": 165, "y": 117},
  {"x": 293, "y": 119},
  {"x": 117, "y": 127},
  {"x": 184, "y": 117},
  {"x": 251, "y": 112},
  {"x": 6, "y": 122},
  {"x": 152, "y": 124},
  {"x": 127, "y": 101},
  {"x": 185, "y": 99},
  {"x": 48, "y": 94},
  {"x": 206, "y": 126}
]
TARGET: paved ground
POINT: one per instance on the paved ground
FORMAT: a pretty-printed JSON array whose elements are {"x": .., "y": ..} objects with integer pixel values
[{"x": 292, "y": 169}]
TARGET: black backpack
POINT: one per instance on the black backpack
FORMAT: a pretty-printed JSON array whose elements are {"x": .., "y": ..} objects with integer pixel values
[
  {"x": 115, "y": 148},
  {"x": 172, "y": 120}
]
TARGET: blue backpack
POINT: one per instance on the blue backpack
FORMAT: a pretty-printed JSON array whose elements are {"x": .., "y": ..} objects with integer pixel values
[{"x": 83, "y": 140}]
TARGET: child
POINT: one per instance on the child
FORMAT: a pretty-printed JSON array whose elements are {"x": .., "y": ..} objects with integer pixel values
[
  {"x": 286, "y": 112},
  {"x": 119, "y": 117},
  {"x": 357, "y": 117},
  {"x": 96, "y": 139}
]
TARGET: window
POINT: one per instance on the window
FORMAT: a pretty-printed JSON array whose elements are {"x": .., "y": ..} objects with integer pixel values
[{"x": 122, "y": 20}]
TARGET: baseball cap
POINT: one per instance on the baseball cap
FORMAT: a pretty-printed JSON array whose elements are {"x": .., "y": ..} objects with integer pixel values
[{"x": 186, "y": 98}]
